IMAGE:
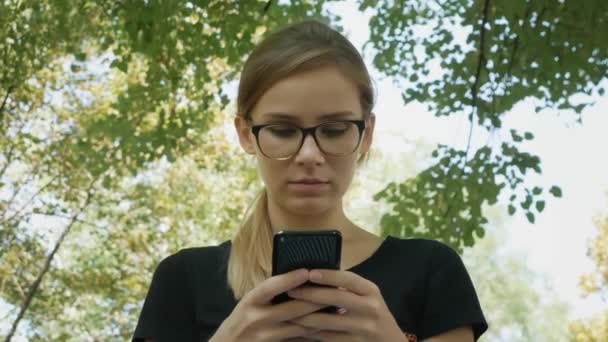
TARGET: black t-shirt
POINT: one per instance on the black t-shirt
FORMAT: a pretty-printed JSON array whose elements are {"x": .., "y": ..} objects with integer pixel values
[{"x": 424, "y": 284}]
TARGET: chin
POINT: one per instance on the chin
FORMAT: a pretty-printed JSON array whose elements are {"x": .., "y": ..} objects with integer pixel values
[{"x": 308, "y": 205}]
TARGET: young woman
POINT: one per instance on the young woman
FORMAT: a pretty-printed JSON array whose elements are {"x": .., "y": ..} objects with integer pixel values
[{"x": 304, "y": 105}]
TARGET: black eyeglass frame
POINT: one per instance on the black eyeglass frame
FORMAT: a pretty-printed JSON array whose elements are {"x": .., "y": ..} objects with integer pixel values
[{"x": 255, "y": 129}]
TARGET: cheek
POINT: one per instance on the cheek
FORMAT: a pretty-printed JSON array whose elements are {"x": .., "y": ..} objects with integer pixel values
[
  {"x": 271, "y": 171},
  {"x": 344, "y": 172}
]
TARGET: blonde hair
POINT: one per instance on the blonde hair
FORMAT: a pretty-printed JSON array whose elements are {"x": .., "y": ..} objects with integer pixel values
[{"x": 299, "y": 47}]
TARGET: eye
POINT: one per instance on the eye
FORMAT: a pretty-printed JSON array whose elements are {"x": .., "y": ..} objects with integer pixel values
[
  {"x": 335, "y": 129},
  {"x": 282, "y": 131}
]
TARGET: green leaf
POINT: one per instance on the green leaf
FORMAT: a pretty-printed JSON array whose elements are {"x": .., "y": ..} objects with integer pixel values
[
  {"x": 537, "y": 190},
  {"x": 556, "y": 191},
  {"x": 511, "y": 209},
  {"x": 107, "y": 182},
  {"x": 527, "y": 203},
  {"x": 530, "y": 217},
  {"x": 119, "y": 64},
  {"x": 528, "y": 136},
  {"x": 540, "y": 206},
  {"x": 80, "y": 56},
  {"x": 516, "y": 137}
]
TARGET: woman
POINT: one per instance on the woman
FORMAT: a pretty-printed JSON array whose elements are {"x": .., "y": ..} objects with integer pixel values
[{"x": 304, "y": 106}]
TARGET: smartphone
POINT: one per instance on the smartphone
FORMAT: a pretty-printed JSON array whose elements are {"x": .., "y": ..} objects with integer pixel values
[{"x": 310, "y": 249}]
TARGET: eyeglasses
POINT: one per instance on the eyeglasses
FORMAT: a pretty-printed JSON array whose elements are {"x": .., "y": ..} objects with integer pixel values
[{"x": 334, "y": 138}]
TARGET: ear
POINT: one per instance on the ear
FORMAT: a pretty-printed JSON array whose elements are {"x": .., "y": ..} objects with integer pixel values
[
  {"x": 243, "y": 130},
  {"x": 368, "y": 134}
]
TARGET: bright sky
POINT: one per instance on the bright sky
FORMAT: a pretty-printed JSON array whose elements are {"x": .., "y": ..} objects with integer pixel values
[{"x": 573, "y": 157}]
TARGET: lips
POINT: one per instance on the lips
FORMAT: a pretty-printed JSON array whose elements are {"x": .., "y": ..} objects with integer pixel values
[
  {"x": 309, "y": 185},
  {"x": 309, "y": 181}
]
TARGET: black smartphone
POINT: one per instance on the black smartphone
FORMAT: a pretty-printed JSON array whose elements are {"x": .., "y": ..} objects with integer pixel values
[{"x": 310, "y": 249}]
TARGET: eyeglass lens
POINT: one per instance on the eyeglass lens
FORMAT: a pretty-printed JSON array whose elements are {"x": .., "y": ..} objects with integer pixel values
[{"x": 334, "y": 138}]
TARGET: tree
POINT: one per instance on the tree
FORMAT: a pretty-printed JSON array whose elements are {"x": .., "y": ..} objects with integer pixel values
[
  {"x": 595, "y": 329},
  {"x": 101, "y": 273},
  {"x": 551, "y": 51}
]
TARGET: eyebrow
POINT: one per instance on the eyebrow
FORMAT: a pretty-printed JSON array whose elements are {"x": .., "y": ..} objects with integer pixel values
[{"x": 325, "y": 116}]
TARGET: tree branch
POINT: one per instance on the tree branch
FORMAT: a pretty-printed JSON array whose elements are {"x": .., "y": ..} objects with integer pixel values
[
  {"x": 513, "y": 53},
  {"x": 23, "y": 207},
  {"x": 47, "y": 265},
  {"x": 8, "y": 92},
  {"x": 70, "y": 218},
  {"x": 11, "y": 150},
  {"x": 267, "y": 6},
  {"x": 481, "y": 62},
  {"x": 17, "y": 189},
  {"x": 507, "y": 76},
  {"x": 9, "y": 159}
]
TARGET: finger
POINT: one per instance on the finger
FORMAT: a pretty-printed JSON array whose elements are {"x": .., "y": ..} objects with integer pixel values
[
  {"x": 325, "y": 321},
  {"x": 331, "y": 296},
  {"x": 333, "y": 336},
  {"x": 346, "y": 279},
  {"x": 291, "y": 309},
  {"x": 301, "y": 339},
  {"x": 269, "y": 288},
  {"x": 282, "y": 331}
]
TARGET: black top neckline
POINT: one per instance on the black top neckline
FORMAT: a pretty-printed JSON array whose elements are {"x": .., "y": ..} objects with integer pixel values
[{"x": 372, "y": 257}]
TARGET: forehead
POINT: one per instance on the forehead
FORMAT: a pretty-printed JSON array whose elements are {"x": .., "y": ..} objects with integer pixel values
[{"x": 310, "y": 96}]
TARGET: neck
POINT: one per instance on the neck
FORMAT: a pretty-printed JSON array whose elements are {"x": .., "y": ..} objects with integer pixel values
[{"x": 334, "y": 218}]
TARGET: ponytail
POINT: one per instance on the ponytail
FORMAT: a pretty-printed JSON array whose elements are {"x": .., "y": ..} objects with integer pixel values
[{"x": 251, "y": 253}]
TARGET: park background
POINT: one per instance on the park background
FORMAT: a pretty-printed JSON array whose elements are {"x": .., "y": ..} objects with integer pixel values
[{"x": 116, "y": 136}]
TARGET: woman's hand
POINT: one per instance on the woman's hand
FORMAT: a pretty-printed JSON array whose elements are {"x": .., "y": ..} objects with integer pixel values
[
  {"x": 255, "y": 319},
  {"x": 363, "y": 316}
]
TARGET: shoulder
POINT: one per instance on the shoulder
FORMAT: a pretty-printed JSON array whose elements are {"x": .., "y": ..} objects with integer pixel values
[
  {"x": 187, "y": 259},
  {"x": 423, "y": 248},
  {"x": 423, "y": 256},
  {"x": 175, "y": 292},
  {"x": 203, "y": 253},
  {"x": 448, "y": 296}
]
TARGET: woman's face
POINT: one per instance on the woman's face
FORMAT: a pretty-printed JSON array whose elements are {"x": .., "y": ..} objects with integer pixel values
[{"x": 311, "y": 181}]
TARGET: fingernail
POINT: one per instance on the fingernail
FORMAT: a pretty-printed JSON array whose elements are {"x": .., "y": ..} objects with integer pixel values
[{"x": 315, "y": 275}]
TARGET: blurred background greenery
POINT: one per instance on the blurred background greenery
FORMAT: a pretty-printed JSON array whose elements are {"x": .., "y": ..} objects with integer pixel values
[{"x": 115, "y": 146}]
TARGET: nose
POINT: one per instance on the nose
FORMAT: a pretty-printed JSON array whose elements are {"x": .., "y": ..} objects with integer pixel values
[{"x": 309, "y": 153}]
